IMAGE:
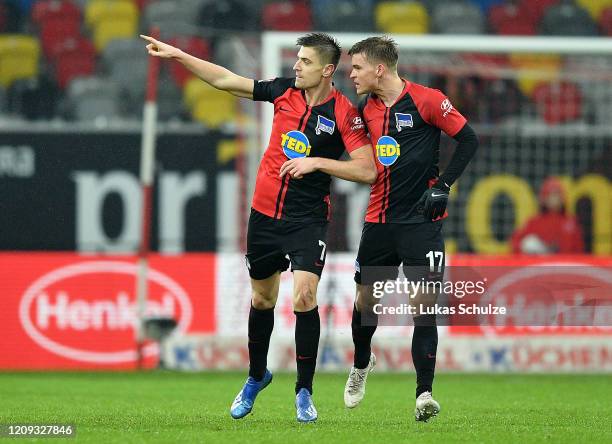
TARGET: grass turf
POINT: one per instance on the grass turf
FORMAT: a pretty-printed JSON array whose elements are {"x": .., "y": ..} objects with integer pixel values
[{"x": 173, "y": 407}]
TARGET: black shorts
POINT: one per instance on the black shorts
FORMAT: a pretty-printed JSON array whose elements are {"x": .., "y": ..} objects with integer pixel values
[
  {"x": 416, "y": 246},
  {"x": 273, "y": 244}
]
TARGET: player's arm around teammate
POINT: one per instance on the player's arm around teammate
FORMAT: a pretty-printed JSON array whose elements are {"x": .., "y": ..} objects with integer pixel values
[{"x": 360, "y": 168}]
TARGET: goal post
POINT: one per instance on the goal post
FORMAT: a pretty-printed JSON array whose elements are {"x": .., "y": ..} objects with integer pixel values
[{"x": 540, "y": 106}]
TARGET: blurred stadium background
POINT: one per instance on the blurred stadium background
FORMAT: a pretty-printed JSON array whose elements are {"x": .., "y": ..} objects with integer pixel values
[{"x": 72, "y": 87}]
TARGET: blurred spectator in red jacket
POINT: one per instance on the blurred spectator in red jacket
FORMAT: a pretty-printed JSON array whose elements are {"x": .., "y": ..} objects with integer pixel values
[{"x": 552, "y": 231}]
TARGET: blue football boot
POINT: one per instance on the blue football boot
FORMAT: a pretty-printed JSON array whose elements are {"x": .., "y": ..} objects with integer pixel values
[
  {"x": 243, "y": 404},
  {"x": 306, "y": 411}
]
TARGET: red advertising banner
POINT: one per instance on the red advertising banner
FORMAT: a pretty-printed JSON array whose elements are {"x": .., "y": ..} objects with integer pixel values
[
  {"x": 536, "y": 288},
  {"x": 67, "y": 311}
]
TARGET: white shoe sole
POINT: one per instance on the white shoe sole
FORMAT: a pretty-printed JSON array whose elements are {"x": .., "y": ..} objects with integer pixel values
[{"x": 426, "y": 412}]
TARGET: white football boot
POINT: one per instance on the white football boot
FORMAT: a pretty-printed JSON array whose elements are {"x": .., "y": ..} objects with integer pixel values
[
  {"x": 354, "y": 390},
  {"x": 426, "y": 407}
]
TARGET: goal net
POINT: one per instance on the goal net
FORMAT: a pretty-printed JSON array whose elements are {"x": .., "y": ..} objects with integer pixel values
[{"x": 540, "y": 106}]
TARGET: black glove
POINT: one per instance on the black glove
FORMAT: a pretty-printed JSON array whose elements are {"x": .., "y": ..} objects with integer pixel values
[{"x": 434, "y": 200}]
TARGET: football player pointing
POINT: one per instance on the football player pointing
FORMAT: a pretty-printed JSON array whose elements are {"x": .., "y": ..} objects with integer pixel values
[{"x": 313, "y": 125}]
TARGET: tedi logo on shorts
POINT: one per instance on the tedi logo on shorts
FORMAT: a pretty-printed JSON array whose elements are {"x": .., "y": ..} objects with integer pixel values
[
  {"x": 387, "y": 150},
  {"x": 295, "y": 144}
]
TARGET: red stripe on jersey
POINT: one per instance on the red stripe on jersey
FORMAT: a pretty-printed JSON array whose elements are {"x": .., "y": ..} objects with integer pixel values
[
  {"x": 382, "y": 217},
  {"x": 285, "y": 185},
  {"x": 268, "y": 184}
]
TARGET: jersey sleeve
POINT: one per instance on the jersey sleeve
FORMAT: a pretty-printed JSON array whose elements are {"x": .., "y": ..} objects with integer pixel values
[
  {"x": 270, "y": 90},
  {"x": 437, "y": 110},
  {"x": 351, "y": 127}
]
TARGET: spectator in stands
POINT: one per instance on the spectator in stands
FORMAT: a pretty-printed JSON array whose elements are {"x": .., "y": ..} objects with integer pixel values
[{"x": 552, "y": 231}]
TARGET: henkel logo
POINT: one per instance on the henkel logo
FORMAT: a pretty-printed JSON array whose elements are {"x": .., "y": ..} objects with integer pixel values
[
  {"x": 550, "y": 299},
  {"x": 87, "y": 311}
]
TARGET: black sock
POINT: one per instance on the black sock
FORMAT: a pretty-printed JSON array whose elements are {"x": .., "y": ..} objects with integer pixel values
[
  {"x": 261, "y": 323},
  {"x": 424, "y": 346},
  {"x": 307, "y": 332},
  {"x": 362, "y": 337}
]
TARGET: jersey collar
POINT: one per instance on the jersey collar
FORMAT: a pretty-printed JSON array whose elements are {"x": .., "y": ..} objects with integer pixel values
[
  {"x": 380, "y": 104},
  {"x": 331, "y": 95}
]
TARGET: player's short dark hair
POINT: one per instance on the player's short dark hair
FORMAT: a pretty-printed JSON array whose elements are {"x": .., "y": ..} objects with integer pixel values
[
  {"x": 325, "y": 45},
  {"x": 377, "y": 50}
]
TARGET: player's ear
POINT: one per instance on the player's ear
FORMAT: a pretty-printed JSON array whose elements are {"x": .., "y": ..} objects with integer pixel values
[
  {"x": 380, "y": 70},
  {"x": 328, "y": 70}
]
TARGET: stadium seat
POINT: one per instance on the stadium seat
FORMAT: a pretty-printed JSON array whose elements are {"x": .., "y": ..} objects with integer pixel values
[
  {"x": 19, "y": 56},
  {"x": 605, "y": 22},
  {"x": 512, "y": 19},
  {"x": 193, "y": 8},
  {"x": 230, "y": 15},
  {"x": 57, "y": 21},
  {"x": 169, "y": 101},
  {"x": 121, "y": 51},
  {"x": 596, "y": 96},
  {"x": 109, "y": 30},
  {"x": 11, "y": 17},
  {"x": 402, "y": 17},
  {"x": 457, "y": 18},
  {"x": 535, "y": 9},
  {"x": 346, "y": 15},
  {"x": 595, "y": 7},
  {"x": 207, "y": 104},
  {"x": 4, "y": 19},
  {"x": 26, "y": 6},
  {"x": 47, "y": 11},
  {"x": 485, "y": 5},
  {"x": 547, "y": 67},
  {"x": 567, "y": 19},
  {"x": 164, "y": 14},
  {"x": 194, "y": 46},
  {"x": 287, "y": 16},
  {"x": 142, "y": 4},
  {"x": 127, "y": 62},
  {"x": 3, "y": 101},
  {"x": 74, "y": 58},
  {"x": 132, "y": 77},
  {"x": 111, "y": 20},
  {"x": 558, "y": 102},
  {"x": 54, "y": 33},
  {"x": 34, "y": 98},
  {"x": 93, "y": 98},
  {"x": 501, "y": 98}
]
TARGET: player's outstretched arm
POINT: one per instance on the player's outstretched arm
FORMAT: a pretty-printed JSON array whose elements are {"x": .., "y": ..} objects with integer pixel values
[
  {"x": 360, "y": 168},
  {"x": 215, "y": 75}
]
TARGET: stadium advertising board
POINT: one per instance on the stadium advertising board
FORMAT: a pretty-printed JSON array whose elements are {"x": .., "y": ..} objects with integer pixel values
[
  {"x": 81, "y": 191},
  {"x": 62, "y": 310},
  {"x": 69, "y": 311}
]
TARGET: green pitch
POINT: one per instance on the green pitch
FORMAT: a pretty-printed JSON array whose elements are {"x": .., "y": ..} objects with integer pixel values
[{"x": 172, "y": 407}]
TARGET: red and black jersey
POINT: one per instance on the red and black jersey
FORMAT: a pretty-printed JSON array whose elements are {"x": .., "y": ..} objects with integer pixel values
[
  {"x": 406, "y": 138},
  {"x": 299, "y": 130}
]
